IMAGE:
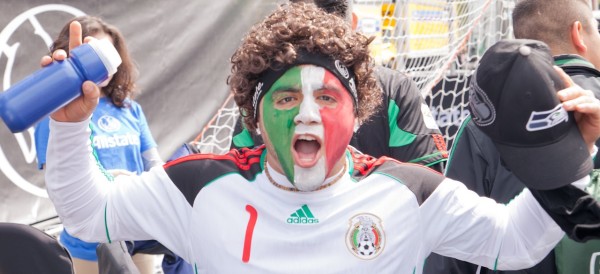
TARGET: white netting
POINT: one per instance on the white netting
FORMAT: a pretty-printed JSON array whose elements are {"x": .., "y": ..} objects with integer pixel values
[
  {"x": 438, "y": 43},
  {"x": 216, "y": 135},
  {"x": 476, "y": 26}
]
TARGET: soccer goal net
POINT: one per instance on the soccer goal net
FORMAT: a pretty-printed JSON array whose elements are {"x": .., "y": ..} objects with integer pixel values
[{"x": 437, "y": 43}]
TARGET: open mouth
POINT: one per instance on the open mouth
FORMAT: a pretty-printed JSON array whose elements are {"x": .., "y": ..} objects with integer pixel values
[{"x": 306, "y": 150}]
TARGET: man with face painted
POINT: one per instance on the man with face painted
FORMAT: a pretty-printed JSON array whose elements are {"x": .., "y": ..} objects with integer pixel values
[
  {"x": 304, "y": 202},
  {"x": 402, "y": 126}
]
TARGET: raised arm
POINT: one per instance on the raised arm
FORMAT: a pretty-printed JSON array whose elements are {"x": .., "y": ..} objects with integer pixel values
[{"x": 92, "y": 205}]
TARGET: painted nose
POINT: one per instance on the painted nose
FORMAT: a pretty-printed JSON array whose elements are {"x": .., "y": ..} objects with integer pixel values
[{"x": 309, "y": 113}]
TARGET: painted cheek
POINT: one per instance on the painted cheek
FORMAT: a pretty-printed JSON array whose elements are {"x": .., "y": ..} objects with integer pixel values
[
  {"x": 338, "y": 124},
  {"x": 280, "y": 128}
]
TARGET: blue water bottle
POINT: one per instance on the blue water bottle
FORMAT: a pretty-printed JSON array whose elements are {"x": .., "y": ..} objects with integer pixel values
[{"x": 57, "y": 84}]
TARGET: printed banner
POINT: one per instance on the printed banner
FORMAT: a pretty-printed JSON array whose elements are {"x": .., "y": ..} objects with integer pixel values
[{"x": 182, "y": 50}]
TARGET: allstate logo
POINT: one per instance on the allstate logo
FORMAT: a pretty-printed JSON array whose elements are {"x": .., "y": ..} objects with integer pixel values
[
  {"x": 109, "y": 123},
  {"x": 23, "y": 155}
]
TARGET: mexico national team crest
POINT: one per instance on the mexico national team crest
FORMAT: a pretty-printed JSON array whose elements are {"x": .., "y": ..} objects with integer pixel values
[{"x": 365, "y": 237}]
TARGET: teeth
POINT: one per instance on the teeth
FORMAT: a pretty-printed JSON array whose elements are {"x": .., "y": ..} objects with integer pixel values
[{"x": 307, "y": 138}]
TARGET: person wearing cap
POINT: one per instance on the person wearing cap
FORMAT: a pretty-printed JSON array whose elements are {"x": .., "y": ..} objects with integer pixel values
[
  {"x": 574, "y": 40},
  {"x": 571, "y": 32},
  {"x": 402, "y": 127},
  {"x": 305, "y": 202}
]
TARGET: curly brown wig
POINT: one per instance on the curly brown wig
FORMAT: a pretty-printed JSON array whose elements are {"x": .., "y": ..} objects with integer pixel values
[
  {"x": 122, "y": 85},
  {"x": 274, "y": 43}
]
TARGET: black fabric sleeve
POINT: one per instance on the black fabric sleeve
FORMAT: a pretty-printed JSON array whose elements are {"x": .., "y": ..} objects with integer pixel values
[{"x": 574, "y": 210}]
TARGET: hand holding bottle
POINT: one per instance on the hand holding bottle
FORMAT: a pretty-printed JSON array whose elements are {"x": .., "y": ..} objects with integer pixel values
[
  {"x": 82, "y": 107},
  {"x": 57, "y": 87}
]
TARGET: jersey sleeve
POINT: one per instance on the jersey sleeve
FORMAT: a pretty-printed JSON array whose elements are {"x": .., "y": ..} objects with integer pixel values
[
  {"x": 479, "y": 230},
  {"x": 95, "y": 209},
  {"x": 475, "y": 162}
]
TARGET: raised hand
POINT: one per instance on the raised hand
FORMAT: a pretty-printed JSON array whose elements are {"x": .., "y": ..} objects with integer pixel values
[
  {"x": 82, "y": 107},
  {"x": 586, "y": 107}
]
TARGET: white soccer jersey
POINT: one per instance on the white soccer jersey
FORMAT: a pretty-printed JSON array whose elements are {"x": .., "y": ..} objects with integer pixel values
[{"x": 222, "y": 214}]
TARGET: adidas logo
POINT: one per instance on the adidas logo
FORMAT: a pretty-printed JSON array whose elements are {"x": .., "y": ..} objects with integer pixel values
[{"x": 302, "y": 216}]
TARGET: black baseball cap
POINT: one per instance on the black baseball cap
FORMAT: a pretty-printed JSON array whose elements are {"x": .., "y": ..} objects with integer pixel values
[{"x": 512, "y": 99}]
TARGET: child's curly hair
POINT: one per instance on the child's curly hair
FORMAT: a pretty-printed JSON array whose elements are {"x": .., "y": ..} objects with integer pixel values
[{"x": 274, "y": 43}]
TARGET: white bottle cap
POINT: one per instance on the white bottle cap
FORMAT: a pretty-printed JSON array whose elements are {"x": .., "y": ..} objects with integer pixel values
[{"x": 107, "y": 53}]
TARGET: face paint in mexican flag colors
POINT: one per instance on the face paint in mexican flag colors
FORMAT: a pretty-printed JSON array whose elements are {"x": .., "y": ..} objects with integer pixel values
[{"x": 308, "y": 116}]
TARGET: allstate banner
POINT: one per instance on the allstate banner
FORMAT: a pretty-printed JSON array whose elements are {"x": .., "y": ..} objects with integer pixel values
[{"x": 182, "y": 49}]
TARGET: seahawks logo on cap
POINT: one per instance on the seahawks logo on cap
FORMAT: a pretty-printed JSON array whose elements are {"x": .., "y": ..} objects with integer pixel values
[
  {"x": 540, "y": 120},
  {"x": 482, "y": 109}
]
